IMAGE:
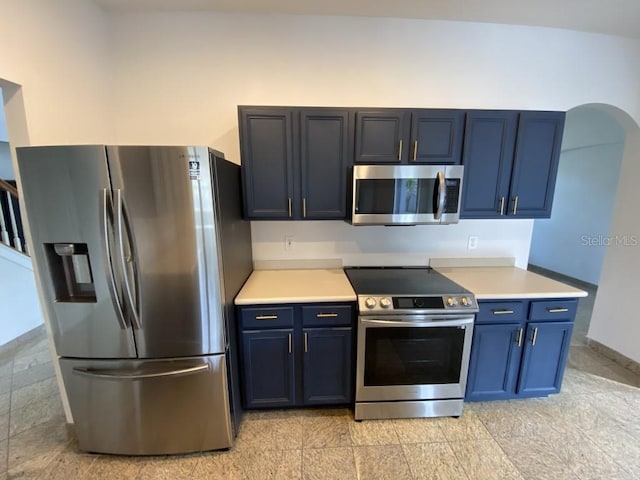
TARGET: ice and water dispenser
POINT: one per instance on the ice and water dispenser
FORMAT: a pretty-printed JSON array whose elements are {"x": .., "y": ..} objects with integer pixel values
[{"x": 70, "y": 270}]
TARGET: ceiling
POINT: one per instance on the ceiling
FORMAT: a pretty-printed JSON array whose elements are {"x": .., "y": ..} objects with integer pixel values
[{"x": 615, "y": 17}]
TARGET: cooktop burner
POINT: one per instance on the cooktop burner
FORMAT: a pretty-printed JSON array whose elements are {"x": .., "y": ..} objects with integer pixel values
[{"x": 415, "y": 290}]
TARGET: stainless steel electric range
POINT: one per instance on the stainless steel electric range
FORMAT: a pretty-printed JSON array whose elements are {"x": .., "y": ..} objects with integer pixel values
[{"x": 414, "y": 340}]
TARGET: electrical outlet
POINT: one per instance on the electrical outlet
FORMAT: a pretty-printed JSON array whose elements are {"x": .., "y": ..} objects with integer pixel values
[
  {"x": 472, "y": 244},
  {"x": 289, "y": 242}
]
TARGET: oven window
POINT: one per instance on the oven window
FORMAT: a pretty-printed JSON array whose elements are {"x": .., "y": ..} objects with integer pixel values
[
  {"x": 413, "y": 356},
  {"x": 395, "y": 196}
]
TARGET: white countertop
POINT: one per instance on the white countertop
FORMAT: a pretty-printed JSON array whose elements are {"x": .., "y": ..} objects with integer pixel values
[
  {"x": 296, "y": 286},
  {"x": 508, "y": 282}
]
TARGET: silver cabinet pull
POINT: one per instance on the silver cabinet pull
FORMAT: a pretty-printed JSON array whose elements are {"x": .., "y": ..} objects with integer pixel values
[
  {"x": 400, "y": 151},
  {"x": 519, "y": 341},
  {"x": 557, "y": 310},
  {"x": 501, "y": 312},
  {"x": 534, "y": 336},
  {"x": 515, "y": 205},
  {"x": 304, "y": 207},
  {"x": 415, "y": 150},
  {"x": 306, "y": 342},
  {"x": 266, "y": 317},
  {"x": 290, "y": 211},
  {"x": 501, "y": 205},
  {"x": 289, "y": 343},
  {"x": 326, "y": 315}
]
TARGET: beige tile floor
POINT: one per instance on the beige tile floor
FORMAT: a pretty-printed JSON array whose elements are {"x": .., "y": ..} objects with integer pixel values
[{"x": 590, "y": 431}]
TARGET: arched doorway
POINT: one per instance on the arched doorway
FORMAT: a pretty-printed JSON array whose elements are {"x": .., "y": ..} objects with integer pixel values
[{"x": 593, "y": 232}]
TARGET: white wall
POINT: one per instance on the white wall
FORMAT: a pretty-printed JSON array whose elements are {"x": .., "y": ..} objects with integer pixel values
[
  {"x": 573, "y": 241},
  {"x": 18, "y": 296},
  {"x": 6, "y": 168},
  {"x": 180, "y": 76},
  {"x": 615, "y": 321},
  {"x": 59, "y": 53},
  {"x": 391, "y": 245},
  {"x": 4, "y": 136}
]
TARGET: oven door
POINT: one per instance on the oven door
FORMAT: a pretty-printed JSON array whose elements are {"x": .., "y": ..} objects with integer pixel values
[
  {"x": 412, "y": 357},
  {"x": 406, "y": 194}
]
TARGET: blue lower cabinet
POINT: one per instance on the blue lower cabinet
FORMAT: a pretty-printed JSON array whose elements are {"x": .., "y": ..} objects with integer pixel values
[
  {"x": 495, "y": 362},
  {"x": 544, "y": 358},
  {"x": 310, "y": 363},
  {"x": 327, "y": 365},
  {"x": 269, "y": 368},
  {"x": 522, "y": 356}
]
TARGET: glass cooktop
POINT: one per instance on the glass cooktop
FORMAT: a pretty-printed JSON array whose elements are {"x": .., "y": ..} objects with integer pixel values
[{"x": 401, "y": 281}]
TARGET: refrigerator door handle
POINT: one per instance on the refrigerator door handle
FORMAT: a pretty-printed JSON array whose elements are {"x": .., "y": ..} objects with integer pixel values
[
  {"x": 122, "y": 223},
  {"x": 108, "y": 259},
  {"x": 117, "y": 374}
]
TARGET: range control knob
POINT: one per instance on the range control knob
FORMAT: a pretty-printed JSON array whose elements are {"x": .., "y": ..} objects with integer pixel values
[
  {"x": 464, "y": 301},
  {"x": 385, "y": 302},
  {"x": 370, "y": 302},
  {"x": 451, "y": 301}
]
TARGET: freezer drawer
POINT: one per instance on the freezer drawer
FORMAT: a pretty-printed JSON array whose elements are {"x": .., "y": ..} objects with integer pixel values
[{"x": 149, "y": 407}]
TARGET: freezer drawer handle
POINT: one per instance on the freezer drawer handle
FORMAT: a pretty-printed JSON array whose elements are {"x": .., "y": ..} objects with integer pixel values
[
  {"x": 123, "y": 375},
  {"x": 557, "y": 310},
  {"x": 266, "y": 317},
  {"x": 326, "y": 315}
]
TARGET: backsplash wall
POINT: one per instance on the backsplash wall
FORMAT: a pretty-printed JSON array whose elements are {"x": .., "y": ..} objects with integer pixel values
[{"x": 378, "y": 245}]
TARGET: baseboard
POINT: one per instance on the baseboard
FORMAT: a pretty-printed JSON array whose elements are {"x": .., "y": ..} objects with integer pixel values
[{"x": 611, "y": 354}]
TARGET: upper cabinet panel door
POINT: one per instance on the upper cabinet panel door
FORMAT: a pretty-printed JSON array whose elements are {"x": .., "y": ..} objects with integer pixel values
[
  {"x": 535, "y": 164},
  {"x": 381, "y": 136},
  {"x": 489, "y": 144},
  {"x": 324, "y": 155},
  {"x": 266, "y": 137},
  {"x": 436, "y": 136}
]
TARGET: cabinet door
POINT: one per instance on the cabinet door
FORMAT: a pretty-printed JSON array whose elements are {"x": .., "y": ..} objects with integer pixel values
[
  {"x": 268, "y": 367},
  {"x": 324, "y": 155},
  {"x": 436, "y": 136},
  {"x": 495, "y": 361},
  {"x": 545, "y": 355},
  {"x": 327, "y": 365},
  {"x": 266, "y": 138},
  {"x": 535, "y": 164},
  {"x": 381, "y": 136},
  {"x": 489, "y": 143}
]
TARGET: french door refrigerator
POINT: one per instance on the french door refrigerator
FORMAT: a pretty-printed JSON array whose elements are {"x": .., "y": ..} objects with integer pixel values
[{"x": 140, "y": 251}]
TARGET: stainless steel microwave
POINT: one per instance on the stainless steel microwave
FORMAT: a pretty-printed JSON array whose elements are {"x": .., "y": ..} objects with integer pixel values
[{"x": 406, "y": 194}]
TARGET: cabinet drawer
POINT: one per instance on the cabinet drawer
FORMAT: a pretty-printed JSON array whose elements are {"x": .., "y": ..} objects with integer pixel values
[
  {"x": 266, "y": 317},
  {"x": 561, "y": 309},
  {"x": 327, "y": 315},
  {"x": 500, "y": 312}
]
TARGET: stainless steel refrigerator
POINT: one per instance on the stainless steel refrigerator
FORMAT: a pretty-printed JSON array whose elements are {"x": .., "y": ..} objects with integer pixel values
[{"x": 141, "y": 251}]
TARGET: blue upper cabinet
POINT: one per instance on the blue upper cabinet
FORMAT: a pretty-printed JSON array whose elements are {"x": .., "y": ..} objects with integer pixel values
[
  {"x": 535, "y": 164},
  {"x": 324, "y": 159},
  {"x": 382, "y": 136},
  {"x": 511, "y": 162},
  {"x": 295, "y": 162},
  {"x": 436, "y": 136},
  {"x": 428, "y": 136},
  {"x": 489, "y": 145},
  {"x": 266, "y": 139}
]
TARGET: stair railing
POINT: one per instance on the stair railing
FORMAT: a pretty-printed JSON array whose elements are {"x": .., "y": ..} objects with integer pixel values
[{"x": 10, "y": 231}]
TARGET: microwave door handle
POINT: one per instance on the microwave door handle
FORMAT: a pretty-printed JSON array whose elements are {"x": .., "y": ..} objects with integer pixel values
[{"x": 442, "y": 192}]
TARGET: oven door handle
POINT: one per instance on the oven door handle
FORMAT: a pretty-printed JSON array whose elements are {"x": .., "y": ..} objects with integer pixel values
[{"x": 449, "y": 322}]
